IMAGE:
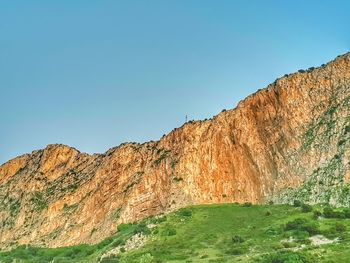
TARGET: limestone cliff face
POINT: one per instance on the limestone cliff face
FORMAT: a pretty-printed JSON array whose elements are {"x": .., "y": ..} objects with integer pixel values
[{"x": 289, "y": 140}]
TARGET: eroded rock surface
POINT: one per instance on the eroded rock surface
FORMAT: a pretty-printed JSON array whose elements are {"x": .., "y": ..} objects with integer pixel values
[{"x": 289, "y": 140}]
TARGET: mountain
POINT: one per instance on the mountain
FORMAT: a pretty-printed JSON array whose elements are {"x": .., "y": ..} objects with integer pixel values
[{"x": 285, "y": 142}]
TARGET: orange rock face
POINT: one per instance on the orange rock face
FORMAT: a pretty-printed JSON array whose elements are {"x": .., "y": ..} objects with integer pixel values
[{"x": 58, "y": 196}]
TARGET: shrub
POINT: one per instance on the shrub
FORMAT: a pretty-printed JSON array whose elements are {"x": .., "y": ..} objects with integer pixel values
[
  {"x": 341, "y": 142},
  {"x": 169, "y": 231},
  {"x": 142, "y": 229},
  {"x": 178, "y": 179},
  {"x": 237, "y": 239},
  {"x": 123, "y": 227},
  {"x": 339, "y": 227},
  {"x": 289, "y": 244},
  {"x": 247, "y": 204},
  {"x": 185, "y": 212},
  {"x": 311, "y": 227},
  {"x": 272, "y": 231},
  {"x": 301, "y": 236},
  {"x": 346, "y": 213},
  {"x": 347, "y": 129},
  {"x": 297, "y": 203},
  {"x": 305, "y": 208},
  {"x": 172, "y": 232},
  {"x": 161, "y": 219},
  {"x": 301, "y": 224},
  {"x": 105, "y": 242},
  {"x": 296, "y": 224},
  {"x": 268, "y": 213},
  {"x": 117, "y": 242},
  {"x": 317, "y": 214},
  {"x": 329, "y": 212}
]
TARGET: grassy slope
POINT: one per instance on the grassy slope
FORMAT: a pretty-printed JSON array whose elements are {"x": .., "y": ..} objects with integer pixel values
[{"x": 205, "y": 234}]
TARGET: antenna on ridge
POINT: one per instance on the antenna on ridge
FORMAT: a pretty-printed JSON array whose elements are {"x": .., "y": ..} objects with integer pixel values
[{"x": 186, "y": 118}]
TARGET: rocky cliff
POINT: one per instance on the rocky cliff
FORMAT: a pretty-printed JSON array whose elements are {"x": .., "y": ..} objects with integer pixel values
[{"x": 288, "y": 141}]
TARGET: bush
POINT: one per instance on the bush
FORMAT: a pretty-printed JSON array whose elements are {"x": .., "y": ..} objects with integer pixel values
[
  {"x": 339, "y": 227},
  {"x": 301, "y": 236},
  {"x": 301, "y": 224},
  {"x": 237, "y": 239},
  {"x": 268, "y": 213},
  {"x": 105, "y": 242},
  {"x": 118, "y": 242},
  {"x": 247, "y": 204},
  {"x": 142, "y": 229},
  {"x": 317, "y": 214},
  {"x": 305, "y": 208},
  {"x": 296, "y": 224},
  {"x": 341, "y": 142},
  {"x": 347, "y": 129},
  {"x": 289, "y": 244},
  {"x": 329, "y": 212},
  {"x": 297, "y": 203},
  {"x": 172, "y": 232},
  {"x": 346, "y": 213},
  {"x": 169, "y": 231},
  {"x": 271, "y": 231},
  {"x": 185, "y": 212},
  {"x": 123, "y": 227},
  {"x": 311, "y": 227}
]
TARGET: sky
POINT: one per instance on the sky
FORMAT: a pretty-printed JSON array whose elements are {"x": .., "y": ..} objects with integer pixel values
[{"x": 94, "y": 74}]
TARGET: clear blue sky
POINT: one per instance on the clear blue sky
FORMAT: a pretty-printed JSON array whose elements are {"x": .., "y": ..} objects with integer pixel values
[{"x": 93, "y": 74}]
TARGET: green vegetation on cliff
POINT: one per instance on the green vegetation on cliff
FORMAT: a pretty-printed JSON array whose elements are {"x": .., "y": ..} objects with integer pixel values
[
  {"x": 329, "y": 137},
  {"x": 216, "y": 233}
]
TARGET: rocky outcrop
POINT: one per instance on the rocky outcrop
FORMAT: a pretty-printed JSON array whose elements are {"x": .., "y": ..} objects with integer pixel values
[{"x": 289, "y": 140}]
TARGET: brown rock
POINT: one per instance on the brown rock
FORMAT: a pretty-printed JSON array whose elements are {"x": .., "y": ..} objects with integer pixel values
[{"x": 58, "y": 196}]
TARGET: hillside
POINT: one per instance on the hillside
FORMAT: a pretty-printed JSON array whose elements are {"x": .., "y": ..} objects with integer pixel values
[
  {"x": 216, "y": 233},
  {"x": 288, "y": 141}
]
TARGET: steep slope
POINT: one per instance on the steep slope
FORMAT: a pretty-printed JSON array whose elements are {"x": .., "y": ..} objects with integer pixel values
[{"x": 287, "y": 141}]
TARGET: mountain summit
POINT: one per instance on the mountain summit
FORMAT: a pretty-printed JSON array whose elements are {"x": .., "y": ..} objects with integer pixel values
[{"x": 285, "y": 142}]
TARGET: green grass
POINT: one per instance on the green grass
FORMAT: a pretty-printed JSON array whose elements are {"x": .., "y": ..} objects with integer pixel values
[
  {"x": 81, "y": 253},
  {"x": 216, "y": 233}
]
